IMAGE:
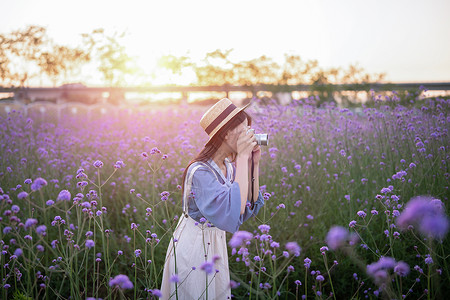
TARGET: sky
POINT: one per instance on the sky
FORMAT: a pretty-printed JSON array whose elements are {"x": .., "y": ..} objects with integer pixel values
[{"x": 409, "y": 40}]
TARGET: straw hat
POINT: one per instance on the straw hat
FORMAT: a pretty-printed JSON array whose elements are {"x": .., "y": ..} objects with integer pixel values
[{"x": 218, "y": 115}]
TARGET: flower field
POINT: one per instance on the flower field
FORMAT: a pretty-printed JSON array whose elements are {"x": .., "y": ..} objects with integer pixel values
[{"x": 356, "y": 203}]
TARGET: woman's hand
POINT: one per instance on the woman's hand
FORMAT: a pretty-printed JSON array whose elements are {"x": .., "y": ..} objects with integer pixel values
[{"x": 246, "y": 144}]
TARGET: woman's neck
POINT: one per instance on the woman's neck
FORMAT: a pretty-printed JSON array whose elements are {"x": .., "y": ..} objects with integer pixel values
[{"x": 220, "y": 155}]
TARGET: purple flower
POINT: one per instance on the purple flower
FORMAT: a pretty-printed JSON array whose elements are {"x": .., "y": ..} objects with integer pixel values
[
  {"x": 336, "y": 237},
  {"x": 50, "y": 202},
  {"x": 307, "y": 263},
  {"x": 64, "y": 195},
  {"x": 54, "y": 243},
  {"x": 401, "y": 268},
  {"x": 7, "y": 230},
  {"x": 234, "y": 284},
  {"x": 18, "y": 252},
  {"x": 121, "y": 281},
  {"x": 38, "y": 183},
  {"x": 174, "y": 278},
  {"x": 428, "y": 259},
  {"x": 385, "y": 190},
  {"x": 320, "y": 278},
  {"x": 15, "y": 209},
  {"x": 157, "y": 293},
  {"x": 239, "y": 237},
  {"x": 22, "y": 195},
  {"x": 384, "y": 263},
  {"x": 30, "y": 222},
  {"x": 361, "y": 213},
  {"x": 98, "y": 164},
  {"x": 293, "y": 248},
  {"x": 264, "y": 228},
  {"x": 429, "y": 217},
  {"x": 90, "y": 244},
  {"x": 137, "y": 252},
  {"x": 352, "y": 224},
  {"x": 207, "y": 266},
  {"x": 119, "y": 164}
]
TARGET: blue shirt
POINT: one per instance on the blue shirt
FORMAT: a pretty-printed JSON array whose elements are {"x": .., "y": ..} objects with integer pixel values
[{"x": 217, "y": 198}]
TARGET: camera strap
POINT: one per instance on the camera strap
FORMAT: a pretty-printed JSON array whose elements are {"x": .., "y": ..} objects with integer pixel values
[{"x": 253, "y": 185}]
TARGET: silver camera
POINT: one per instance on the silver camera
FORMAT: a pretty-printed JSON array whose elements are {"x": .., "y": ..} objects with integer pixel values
[{"x": 262, "y": 139}]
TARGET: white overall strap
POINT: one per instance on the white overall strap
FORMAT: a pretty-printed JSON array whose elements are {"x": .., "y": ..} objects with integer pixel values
[{"x": 188, "y": 183}]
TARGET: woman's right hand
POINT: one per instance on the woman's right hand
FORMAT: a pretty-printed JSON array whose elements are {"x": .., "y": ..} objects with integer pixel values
[{"x": 246, "y": 143}]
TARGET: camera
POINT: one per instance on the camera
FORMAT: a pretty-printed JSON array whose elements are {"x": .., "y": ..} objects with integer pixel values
[{"x": 262, "y": 139}]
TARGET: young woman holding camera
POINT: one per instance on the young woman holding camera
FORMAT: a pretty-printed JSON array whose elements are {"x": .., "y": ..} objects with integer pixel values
[{"x": 217, "y": 198}]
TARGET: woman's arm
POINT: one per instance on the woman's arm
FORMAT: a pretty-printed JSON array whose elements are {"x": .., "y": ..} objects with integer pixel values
[
  {"x": 256, "y": 157},
  {"x": 245, "y": 145}
]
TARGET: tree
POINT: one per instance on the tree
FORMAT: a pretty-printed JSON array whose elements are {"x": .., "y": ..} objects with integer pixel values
[
  {"x": 261, "y": 70},
  {"x": 61, "y": 60},
  {"x": 29, "y": 52},
  {"x": 114, "y": 63},
  {"x": 19, "y": 51},
  {"x": 216, "y": 69}
]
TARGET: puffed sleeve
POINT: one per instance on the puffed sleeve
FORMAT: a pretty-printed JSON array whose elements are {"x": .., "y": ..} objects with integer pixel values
[
  {"x": 248, "y": 212},
  {"x": 219, "y": 204}
]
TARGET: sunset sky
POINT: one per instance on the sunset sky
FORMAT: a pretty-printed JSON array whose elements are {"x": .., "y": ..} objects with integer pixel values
[{"x": 409, "y": 40}]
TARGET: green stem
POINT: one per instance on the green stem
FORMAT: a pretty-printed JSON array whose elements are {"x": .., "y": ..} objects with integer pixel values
[{"x": 329, "y": 276}]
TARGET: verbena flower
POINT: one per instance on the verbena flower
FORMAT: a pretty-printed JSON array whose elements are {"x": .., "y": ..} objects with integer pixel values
[
  {"x": 264, "y": 228},
  {"x": 119, "y": 164},
  {"x": 384, "y": 263},
  {"x": 18, "y": 252},
  {"x": 337, "y": 237},
  {"x": 207, "y": 266},
  {"x": 429, "y": 217},
  {"x": 90, "y": 244},
  {"x": 38, "y": 183},
  {"x": 64, "y": 195},
  {"x": 402, "y": 269},
  {"x": 15, "y": 209},
  {"x": 293, "y": 248},
  {"x": 30, "y": 223},
  {"x": 239, "y": 237},
  {"x": 361, "y": 213},
  {"x": 98, "y": 164},
  {"x": 22, "y": 195},
  {"x": 121, "y": 281},
  {"x": 307, "y": 263}
]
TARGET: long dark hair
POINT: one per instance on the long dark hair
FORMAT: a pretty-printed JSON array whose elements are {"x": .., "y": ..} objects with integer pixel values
[{"x": 211, "y": 147}]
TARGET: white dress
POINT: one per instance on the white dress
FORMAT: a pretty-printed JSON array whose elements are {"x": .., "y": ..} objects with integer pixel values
[{"x": 195, "y": 245}]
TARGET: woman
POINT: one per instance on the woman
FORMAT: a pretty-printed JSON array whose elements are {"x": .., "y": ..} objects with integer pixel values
[{"x": 217, "y": 197}]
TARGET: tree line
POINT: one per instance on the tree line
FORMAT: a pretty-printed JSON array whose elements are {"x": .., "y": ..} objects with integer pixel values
[{"x": 30, "y": 53}]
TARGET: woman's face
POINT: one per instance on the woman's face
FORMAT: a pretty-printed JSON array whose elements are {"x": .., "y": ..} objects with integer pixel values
[{"x": 234, "y": 134}]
